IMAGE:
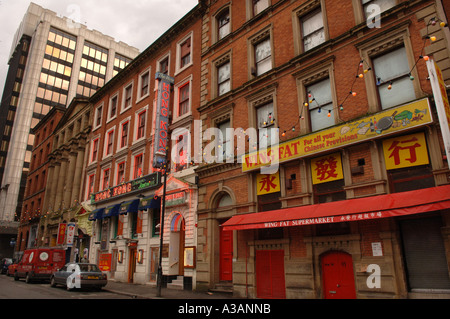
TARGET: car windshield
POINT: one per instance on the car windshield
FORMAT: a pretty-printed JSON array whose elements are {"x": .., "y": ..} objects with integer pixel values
[{"x": 89, "y": 268}]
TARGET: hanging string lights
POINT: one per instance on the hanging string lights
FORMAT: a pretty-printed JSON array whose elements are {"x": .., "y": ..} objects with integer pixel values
[{"x": 362, "y": 69}]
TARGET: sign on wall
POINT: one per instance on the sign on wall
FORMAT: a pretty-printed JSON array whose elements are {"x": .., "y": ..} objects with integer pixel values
[
  {"x": 267, "y": 183},
  {"x": 326, "y": 168},
  {"x": 405, "y": 151},
  {"x": 61, "y": 234},
  {"x": 377, "y": 125},
  {"x": 161, "y": 142}
]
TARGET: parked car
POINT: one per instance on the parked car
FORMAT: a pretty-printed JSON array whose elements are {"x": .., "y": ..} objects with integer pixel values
[
  {"x": 39, "y": 263},
  {"x": 79, "y": 275},
  {"x": 5, "y": 264},
  {"x": 12, "y": 269}
]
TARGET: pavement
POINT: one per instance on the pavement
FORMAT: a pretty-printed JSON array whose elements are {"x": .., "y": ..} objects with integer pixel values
[{"x": 148, "y": 291}]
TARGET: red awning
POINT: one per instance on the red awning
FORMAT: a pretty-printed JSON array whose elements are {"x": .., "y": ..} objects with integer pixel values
[{"x": 382, "y": 206}]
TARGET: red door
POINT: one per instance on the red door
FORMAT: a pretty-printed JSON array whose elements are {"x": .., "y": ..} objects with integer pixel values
[
  {"x": 337, "y": 274},
  {"x": 226, "y": 255},
  {"x": 270, "y": 274}
]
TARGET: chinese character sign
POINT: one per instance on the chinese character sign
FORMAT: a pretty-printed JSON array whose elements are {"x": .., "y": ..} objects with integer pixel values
[
  {"x": 405, "y": 151},
  {"x": 267, "y": 183},
  {"x": 326, "y": 168}
]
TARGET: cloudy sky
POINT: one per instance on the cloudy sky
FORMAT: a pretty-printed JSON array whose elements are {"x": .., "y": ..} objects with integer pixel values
[{"x": 135, "y": 22}]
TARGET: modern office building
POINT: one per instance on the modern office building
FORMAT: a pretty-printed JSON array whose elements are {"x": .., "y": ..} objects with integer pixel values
[{"x": 53, "y": 59}]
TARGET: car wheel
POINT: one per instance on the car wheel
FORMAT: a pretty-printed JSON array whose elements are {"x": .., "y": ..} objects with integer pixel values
[
  {"x": 28, "y": 278},
  {"x": 16, "y": 276},
  {"x": 52, "y": 282}
]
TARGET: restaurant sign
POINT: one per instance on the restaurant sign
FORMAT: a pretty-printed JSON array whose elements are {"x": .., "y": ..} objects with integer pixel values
[
  {"x": 148, "y": 181},
  {"x": 160, "y": 143},
  {"x": 378, "y": 125}
]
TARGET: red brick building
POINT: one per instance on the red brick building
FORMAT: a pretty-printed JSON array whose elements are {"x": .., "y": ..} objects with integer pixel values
[
  {"x": 121, "y": 182},
  {"x": 37, "y": 180},
  {"x": 362, "y": 167}
]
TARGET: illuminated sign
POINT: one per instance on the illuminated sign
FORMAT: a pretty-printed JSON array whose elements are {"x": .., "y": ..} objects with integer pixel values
[
  {"x": 161, "y": 141},
  {"x": 144, "y": 182},
  {"x": 390, "y": 121}
]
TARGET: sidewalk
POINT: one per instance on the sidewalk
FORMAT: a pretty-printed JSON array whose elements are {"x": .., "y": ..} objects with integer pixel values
[{"x": 149, "y": 292}]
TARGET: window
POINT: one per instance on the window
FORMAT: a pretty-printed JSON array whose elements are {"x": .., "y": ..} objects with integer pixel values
[
  {"x": 392, "y": 71},
  {"x": 113, "y": 107},
  {"x": 109, "y": 142},
  {"x": 141, "y": 125},
  {"x": 265, "y": 122},
  {"x": 321, "y": 112},
  {"x": 185, "y": 53},
  {"x": 105, "y": 182},
  {"x": 128, "y": 94},
  {"x": 223, "y": 78},
  {"x": 263, "y": 56},
  {"x": 98, "y": 116},
  {"x": 382, "y": 5},
  {"x": 183, "y": 102},
  {"x": 144, "y": 82},
  {"x": 312, "y": 29},
  {"x": 226, "y": 145},
  {"x": 137, "y": 168},
  {"x": 182, "y": 151},
  {"x": 120, "y": 173},
  {"x": 90, "y": 185},
  {"x": 124, "y": 134},
  {"x": 94, "y": 149},
  {"x": 164, "y": 65},
  {"x": 259, "y": 6},
  {"x": 223, "y": 24}
]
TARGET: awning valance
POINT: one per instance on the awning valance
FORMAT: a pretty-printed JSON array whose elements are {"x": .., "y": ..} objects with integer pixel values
[
  {"x": 390, "y": 205},
  {"x": 129, "y": 207},
  {"x": 151, "y": 202},
  {"x": 97, "y": 214},
  {"x": 111, "y": 211}
]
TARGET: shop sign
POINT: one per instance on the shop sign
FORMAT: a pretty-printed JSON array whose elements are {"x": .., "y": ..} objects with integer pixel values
[
  {"x": 175, "y": 199},
  {"x": 327, "y": 168},
  {"x": 162, "y": 119},
  {"x": 385, "y": 123},
  {"x": 104, "y": 262},
  {"x": 405, "y": 151},
  {"x": 267, "y": 183},
  {"x": 70, "y": 233},
  {"x": 61, "y": 234},
  {"x": 145, "y": 182}
]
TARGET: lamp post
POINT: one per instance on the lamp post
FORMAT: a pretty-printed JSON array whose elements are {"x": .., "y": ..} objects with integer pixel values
[{"x": 161, "y": 231}]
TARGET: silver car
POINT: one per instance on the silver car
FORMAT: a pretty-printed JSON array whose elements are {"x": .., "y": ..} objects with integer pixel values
[{"x": 79, "y": 275}]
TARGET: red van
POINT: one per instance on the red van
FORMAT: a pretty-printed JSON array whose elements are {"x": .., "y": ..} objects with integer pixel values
[{"x": 39, "y": 263}]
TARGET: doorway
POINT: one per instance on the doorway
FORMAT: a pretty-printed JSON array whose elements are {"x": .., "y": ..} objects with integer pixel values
[
  {"x": 132, "y": 264},
  {"x": 337, "y": 275},
  {"x": 176, "y": 246},
  {"x": 226, "y": 255},
  {"x": 270, "y": 282}
]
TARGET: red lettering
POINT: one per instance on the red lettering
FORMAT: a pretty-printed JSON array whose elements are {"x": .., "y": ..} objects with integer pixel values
[{"x": 165, "y": 86}]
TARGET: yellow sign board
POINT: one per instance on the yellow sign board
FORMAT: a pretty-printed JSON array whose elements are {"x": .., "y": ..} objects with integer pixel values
[
  {"x": 326, "y": 168},
  {"x": 390, "y": 121},
  {"x": 405, "y": 151},
  {"x": 267, "y": 183}
]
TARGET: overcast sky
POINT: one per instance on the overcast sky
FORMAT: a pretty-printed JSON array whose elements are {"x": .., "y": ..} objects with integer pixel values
[{"x": 135, "y": 22}]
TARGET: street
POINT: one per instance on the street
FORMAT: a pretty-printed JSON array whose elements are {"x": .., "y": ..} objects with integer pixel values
[{"x": 10, "y": 289}]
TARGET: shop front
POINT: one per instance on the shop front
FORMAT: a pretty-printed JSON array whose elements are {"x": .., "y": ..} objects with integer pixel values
[
  {"x": 357, "y": 248},
  {"x": 126, "y": 228}
]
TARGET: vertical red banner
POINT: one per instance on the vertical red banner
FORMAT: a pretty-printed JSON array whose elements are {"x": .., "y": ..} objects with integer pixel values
[{"x": 61, "y": 234}]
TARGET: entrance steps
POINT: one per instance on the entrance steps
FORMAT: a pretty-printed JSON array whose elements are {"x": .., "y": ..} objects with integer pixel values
[
  {"x": 176, "y": 283},
  {"x": 223, "y": 287}
]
